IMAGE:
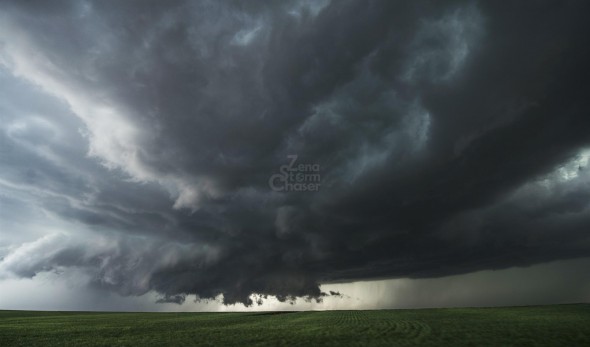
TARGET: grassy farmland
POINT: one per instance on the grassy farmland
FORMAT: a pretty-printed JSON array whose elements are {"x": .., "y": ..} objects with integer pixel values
[{"x": 560, "y": 325}]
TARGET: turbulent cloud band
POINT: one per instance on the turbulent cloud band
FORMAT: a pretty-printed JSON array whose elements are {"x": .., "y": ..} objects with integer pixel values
[{"x": 138, "y": 139}]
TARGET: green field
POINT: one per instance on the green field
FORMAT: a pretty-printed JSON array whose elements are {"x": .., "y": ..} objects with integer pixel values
[{"x": 559, "y": 325}]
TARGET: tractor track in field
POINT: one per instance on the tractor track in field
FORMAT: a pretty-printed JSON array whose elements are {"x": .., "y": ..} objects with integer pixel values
[
  {"x": 398, "y": 332},
  {"x": 389, "y": 331}
]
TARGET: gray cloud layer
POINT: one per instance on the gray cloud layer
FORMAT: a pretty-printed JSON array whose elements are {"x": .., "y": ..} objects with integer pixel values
[{"x": 138, "y": 138}]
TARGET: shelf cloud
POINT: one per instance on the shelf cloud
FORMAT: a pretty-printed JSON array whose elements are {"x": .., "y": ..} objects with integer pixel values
[{"x": 239, "y": 148}]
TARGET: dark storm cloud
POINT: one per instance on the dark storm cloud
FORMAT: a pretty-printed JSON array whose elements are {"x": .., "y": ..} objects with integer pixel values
[{"x": 450, "y": 138}]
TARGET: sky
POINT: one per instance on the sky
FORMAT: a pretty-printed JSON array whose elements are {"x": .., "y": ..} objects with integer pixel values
[{"x": 293, "y": 155}]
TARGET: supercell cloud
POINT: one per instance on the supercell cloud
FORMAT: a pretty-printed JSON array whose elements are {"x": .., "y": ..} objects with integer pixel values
[{"x": 149, "y": 145}]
